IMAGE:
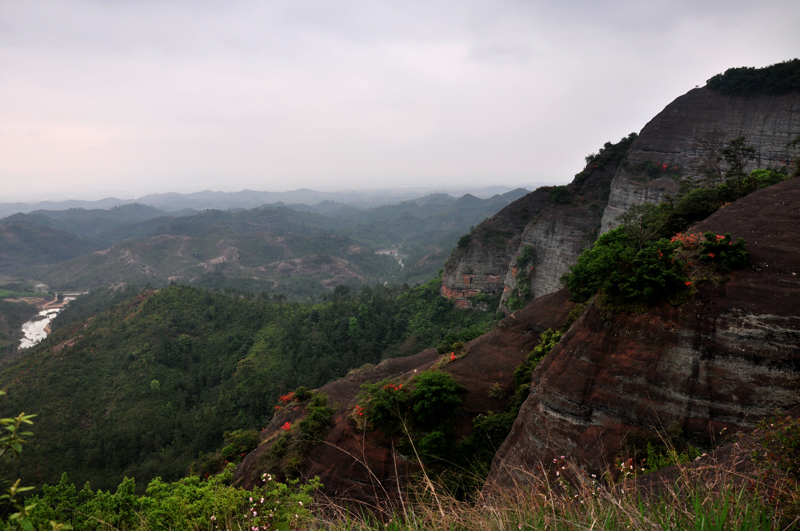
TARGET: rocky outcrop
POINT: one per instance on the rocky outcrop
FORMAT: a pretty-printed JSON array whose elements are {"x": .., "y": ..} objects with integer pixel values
[
  {"x": 724, "y": 359},
  {"x": 677, "y": 144},
  {"x": 361, "y": 467},
  {"x": 557, "y": 226},
  {"x": 558, "y": 235},
  {"x": 478, "y": 267},
  {"x": 688, "y": 129}
]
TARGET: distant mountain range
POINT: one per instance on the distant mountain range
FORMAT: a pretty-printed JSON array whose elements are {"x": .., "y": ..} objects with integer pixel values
[
  {"x": 175, "y": 202},
  {"x": 292, "y": 249}
]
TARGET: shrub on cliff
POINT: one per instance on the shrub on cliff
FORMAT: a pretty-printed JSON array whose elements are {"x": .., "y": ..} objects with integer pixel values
[
  {"x": 429, "y": 401},
  {"x": 286, "y": 457},
  {"x": 615, "y": 266},
  {"x": 631, "y": 273}
]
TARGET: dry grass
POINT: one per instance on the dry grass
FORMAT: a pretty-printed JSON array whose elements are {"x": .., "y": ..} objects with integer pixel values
[{"x": 697, "y": 496}]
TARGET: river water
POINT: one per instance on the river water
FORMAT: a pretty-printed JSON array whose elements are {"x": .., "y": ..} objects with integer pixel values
[{"x": 35, "y": 329}]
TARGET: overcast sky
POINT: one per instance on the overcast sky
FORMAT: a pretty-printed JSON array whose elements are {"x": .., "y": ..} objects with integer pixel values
[{"x": 127, "y": 97}]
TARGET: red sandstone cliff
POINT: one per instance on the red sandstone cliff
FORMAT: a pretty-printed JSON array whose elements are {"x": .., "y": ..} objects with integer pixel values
[
  {"x": 480, "y": 267},
  {"x": 676, "y": 137},
  {"x": 558, "y": 233},
  {"x": 724, "y": 359}
]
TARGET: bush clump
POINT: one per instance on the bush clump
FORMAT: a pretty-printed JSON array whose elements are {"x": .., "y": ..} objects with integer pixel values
[
  {"x": 430, "y": 400},
  {"x": 632, "y": 272}
]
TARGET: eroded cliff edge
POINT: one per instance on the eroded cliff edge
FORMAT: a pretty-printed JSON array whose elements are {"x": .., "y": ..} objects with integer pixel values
[
  {"x": 685, "y": 135},
  {"x": 679, "y": 143},
  {"x": 724, "y": 359}
]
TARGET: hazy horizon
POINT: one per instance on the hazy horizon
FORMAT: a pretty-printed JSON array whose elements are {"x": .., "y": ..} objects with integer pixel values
[
  {"x": 129, "y": 98},
  {"x": 480, "y": 191}
]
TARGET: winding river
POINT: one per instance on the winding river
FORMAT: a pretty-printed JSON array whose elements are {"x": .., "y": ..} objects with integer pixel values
[{"x": 36, "y": 330}]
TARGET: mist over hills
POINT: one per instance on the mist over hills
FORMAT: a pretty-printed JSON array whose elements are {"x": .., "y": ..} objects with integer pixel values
[
  {"x": 207, "y": 199},
  {"x": 293, "y": 249}
]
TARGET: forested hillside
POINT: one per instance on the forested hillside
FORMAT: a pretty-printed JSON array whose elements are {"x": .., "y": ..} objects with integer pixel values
[
  {"x": 142, "y": 388},
  {"x": 299, "y": 251}
]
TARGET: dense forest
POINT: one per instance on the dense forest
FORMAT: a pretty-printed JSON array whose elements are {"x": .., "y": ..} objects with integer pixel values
[
  {"x": 776, "y": 79},
  {"x": 143, "y": 387}
]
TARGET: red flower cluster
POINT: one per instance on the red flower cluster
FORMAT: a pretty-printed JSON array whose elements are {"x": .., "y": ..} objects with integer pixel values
[
  {"x": 452, "y": 356},
  {"x": 688, "y": 241},
  {"x": 359, "y": 411},
  {"x": 393, "y": 387},
  {"x": 287, "y": 426},
  {"x": 285, "y": 399}
]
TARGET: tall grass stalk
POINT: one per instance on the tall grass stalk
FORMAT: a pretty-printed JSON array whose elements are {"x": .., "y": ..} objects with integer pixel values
[{"x": 699, "y": 500}]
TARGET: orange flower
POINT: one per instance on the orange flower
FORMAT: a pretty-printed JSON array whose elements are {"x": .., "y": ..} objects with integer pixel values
[
  {"x": 453, "y": 356},
  {"x": 287, "y": 426},
  {"x": 711, "y": 255}
]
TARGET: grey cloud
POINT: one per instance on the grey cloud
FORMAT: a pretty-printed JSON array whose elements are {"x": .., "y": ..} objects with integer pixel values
[{"x": 301, "y": 93}]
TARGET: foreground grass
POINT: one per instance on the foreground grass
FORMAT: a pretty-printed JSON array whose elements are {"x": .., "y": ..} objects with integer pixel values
[
  {"x": 700, "y": 500},
  {"x": 754, "y": 485}
]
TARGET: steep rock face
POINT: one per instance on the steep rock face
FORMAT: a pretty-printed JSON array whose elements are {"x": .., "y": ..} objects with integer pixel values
[
  {"x": 480, "y": 267},
  {"x": 676, "y": 137},
  {"x": 558, "y": 235},
  {"x": 363, "y": 467},
  {"x": 556, "y": 222},
  {"x": 722, "y": 360}
]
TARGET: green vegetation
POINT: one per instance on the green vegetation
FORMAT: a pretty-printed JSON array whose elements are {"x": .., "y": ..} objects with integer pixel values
[
  {"x": 295, "y": 252},
  {"x": 524, "y": 266},
  {"x": 654, "y": 170},
  {"x": 142, "y": 388},
  {"x": 549, "y": 339},
  {"x": 25, "y": 245},
  {"x": 12, "y": 316},
  {"x": 610, "y": 155},
  {"x": 92, "y": 303},
  {"x": 490, "y": 237},
  {"x": 632, "y": 275},
  {"x": 558, "y": 496},
  {"x": 422, "y": 411},
  {"x": 11, "y": 441},
  {"x": 613, "y": 154},
  {"x": 650, "y": 451},
  {"x": 776, "y": 79},
  {"x": 286, "y": 456},
  {"x": 427, "y": 404},
  {"x": 648, "y": 259},
  {"x": 626, "y": 274},
  {"x": 454, "y": 341},
  {"x": 189, "y": 503},
  {"x": 561, "y": 195}
]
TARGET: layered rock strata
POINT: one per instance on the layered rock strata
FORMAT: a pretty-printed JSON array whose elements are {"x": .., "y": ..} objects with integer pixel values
[
  {"x": 724, "y": 359},
  {"x": 685, "y": 133},
  {"x": 680, "y": 139},
  {"x": 557, "y": 236},
  {"x": 480, "y": 267}
]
